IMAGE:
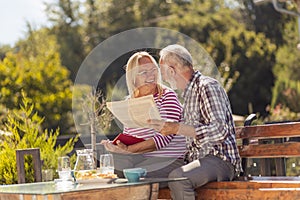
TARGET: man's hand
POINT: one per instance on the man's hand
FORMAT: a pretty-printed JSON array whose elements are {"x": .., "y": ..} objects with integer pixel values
[
  {"x": 165, "y": 128},
  {"x": 119, "y": 148},
  {"x": 168, "y": 128}
]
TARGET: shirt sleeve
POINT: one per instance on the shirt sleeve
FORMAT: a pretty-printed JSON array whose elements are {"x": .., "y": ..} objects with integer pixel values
[{"x": 170, "y": 110}]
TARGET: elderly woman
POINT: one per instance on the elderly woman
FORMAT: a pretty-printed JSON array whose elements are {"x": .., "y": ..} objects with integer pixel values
[{"x": 158, "y": 154}]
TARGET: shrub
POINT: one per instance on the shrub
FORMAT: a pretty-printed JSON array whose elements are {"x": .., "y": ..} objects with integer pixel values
[{"x": 24, "y": 126}]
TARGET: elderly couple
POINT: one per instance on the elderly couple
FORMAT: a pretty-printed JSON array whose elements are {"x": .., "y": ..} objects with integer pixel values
[{"x": 194, "y": 140}]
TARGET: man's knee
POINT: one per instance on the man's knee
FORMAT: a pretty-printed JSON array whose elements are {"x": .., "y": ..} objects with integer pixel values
[
  {"x": 179, "y": 185},
  {"x": 177, "y": 173}
]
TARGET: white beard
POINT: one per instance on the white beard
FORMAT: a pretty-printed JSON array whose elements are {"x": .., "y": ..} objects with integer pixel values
[{"x": 172, "y": 83}]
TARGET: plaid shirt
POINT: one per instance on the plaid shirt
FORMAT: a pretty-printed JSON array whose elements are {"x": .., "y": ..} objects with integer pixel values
[{"x": 207, "y": 108}]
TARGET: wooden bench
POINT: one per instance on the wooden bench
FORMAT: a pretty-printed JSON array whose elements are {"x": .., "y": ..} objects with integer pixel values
[{"x": 260, "y": 142}]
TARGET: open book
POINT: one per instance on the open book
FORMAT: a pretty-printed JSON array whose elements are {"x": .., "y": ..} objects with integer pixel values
[{"x": 135, "y": 112}]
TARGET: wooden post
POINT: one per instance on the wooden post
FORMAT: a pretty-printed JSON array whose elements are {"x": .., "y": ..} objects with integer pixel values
[
  {"x": 280, "y": 163},
  {"x": 35, "y": 152},
  {"x": 93, "y": 137}
]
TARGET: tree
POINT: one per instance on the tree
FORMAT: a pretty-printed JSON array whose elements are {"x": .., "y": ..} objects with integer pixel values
[
  {"x": 286, "y": 91},
  {"x": 281, "y": 29},
  {"x": 252, "y": 56},
  {"x": 263, "y": 18},
  {"x": 81, "y": 25},
  {"x": 198, "y": 18},
  {"x": 65, "y": 17},
  {"x": 36, "y": 69},
  {"x": 241, "y": 37},
  {"x": 247, "y": 57},
  {"x": 3, "y": 50}
]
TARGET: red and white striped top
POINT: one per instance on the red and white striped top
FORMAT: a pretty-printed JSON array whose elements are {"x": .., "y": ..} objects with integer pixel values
[{"x": 167, "y": 146}]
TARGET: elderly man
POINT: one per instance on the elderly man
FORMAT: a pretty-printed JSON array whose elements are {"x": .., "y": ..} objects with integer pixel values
[{"x": 207, "y": 123}]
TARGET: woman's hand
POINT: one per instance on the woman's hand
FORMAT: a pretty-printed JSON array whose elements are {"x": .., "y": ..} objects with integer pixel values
[{"x": 119, "y": 148}]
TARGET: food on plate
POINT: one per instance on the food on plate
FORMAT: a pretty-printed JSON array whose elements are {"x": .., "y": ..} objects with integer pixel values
[
  {"x": 108, "y": 175},
  {"x": 92, "y": 174},
  {"x": 85, "y": 174}
]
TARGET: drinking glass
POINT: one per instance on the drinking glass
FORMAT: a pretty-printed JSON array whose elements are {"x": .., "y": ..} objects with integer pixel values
[
  {"x": 106, "y": 164},
  {"x": 47, "y": 175},
  {"x": 63, "y": 168}
]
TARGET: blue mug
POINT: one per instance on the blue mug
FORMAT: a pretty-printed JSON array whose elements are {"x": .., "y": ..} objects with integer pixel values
[{"x": 134, "y": 174}]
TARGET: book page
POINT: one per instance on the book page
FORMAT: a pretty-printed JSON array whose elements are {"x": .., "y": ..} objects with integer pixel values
[{"x": 134, "y": 113}]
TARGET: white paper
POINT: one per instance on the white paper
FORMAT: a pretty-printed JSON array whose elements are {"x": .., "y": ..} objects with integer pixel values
[{"x": 134, "y": 112}]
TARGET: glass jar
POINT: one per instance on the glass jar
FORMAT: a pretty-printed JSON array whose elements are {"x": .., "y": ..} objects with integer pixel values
[{"x": 85, "y": 164}]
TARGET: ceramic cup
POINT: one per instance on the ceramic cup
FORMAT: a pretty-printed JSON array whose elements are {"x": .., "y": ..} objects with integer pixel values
[{"x": 134, "y": 174}]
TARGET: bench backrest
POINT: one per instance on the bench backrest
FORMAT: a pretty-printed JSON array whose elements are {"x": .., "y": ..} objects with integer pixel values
[
  {"x": 255, "y": 135},
  {"x": 269, "y": 141}
]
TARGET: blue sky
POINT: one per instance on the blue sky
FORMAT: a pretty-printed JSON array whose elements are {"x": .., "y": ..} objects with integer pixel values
[{"x": 13, "y": 17}]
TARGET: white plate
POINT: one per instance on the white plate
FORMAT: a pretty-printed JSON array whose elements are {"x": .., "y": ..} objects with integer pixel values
[
  {"x": 95, "y": 180},
  {"x": 121, "y": 180}
]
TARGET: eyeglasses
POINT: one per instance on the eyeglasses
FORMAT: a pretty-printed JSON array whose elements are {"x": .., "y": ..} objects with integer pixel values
[{"x": 146, "y": 72}]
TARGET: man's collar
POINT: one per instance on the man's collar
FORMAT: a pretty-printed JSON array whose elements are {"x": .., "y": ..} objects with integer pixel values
[{"x": 194, "y": 76}]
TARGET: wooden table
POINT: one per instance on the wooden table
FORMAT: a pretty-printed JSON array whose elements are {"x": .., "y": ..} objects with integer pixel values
[{"x": 145, "y": 189}]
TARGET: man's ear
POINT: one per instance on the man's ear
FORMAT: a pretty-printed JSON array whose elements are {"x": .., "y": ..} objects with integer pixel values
[{"x": 172, "y": 70}]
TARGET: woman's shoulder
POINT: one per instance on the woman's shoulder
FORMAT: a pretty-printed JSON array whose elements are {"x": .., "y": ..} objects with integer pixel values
[
  {"x": 168, "y": 91},
  {"x": 169, "y": 95}
]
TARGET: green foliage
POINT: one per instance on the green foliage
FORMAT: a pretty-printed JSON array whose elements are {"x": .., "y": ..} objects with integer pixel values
[
  {"x": 281, "y": 29},
  {"x": 199, "y": 18},
  {"x": 25, "y": 127},
  {"x": 286, "y": 91},
  {"x": 71, "y": 48},
  {"x": 36, "y": 68},
  {"x": 252, "y": 56},
  {"x": 212, "y": 23},
  {"x": 244, "y": 58},
  {"x": 80, "y": 26},
  {"x": 293, "y": 166},
  {"x": 251, "y": 45},
  {"x": 65, "y": 16},
  {"x": 281, "y": 113},
  {"x": 263, "y": 18},
  {"x": 3, "y": 50}
]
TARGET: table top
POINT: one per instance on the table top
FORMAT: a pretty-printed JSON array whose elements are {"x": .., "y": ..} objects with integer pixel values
[{"x": 57, "y": 187}]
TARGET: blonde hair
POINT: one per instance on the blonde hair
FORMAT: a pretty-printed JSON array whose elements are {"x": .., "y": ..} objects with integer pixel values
[{"x": 131, "y": 74}]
